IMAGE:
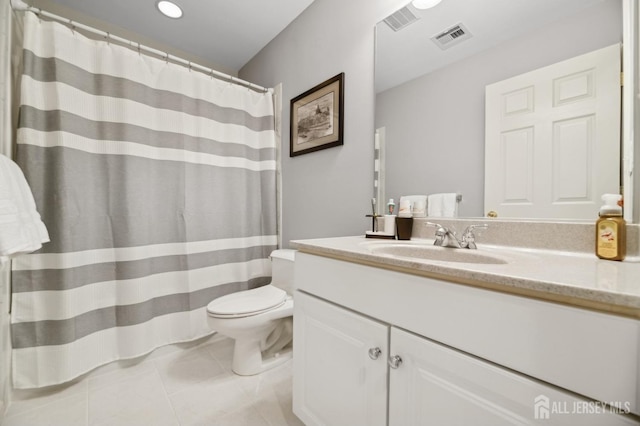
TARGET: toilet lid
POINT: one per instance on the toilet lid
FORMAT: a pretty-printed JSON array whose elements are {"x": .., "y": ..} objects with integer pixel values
[{"x": 248, "y": 302}]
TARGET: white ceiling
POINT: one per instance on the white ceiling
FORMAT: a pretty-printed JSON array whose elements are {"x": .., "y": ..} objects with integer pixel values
[
  {"x": 409, "y": 53},
  {"x": 229, "y": 33},
  {"x": 224, "y": 32}
]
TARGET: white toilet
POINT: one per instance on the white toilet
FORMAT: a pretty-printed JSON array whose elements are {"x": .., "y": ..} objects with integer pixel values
[{"x": 260, "y": 320}]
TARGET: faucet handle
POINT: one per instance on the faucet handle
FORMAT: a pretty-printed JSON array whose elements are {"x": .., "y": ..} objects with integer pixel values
[
  {"x": 441, "y": 228},
  {"x": 440, "y": 233},
  {"x": 469, "y": 238},
  {"x": 437, "y": 225},
  {"x": 445, "y": 237},
  {"x": 470, "y": 228}
]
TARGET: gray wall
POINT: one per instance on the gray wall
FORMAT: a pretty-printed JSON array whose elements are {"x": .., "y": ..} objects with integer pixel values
[
  {"x": 435, "y": 124},
  {"x": 326, "y": 193}
]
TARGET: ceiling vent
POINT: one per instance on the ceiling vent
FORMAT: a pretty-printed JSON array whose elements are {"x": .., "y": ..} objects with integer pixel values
[
  {"x": 401, "y": 19},
  {"x": 451, "y": 36}
]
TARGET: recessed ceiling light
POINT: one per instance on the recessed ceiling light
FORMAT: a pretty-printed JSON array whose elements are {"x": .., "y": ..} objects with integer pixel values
[
  {"x": 425, "y": 4},
  {"x": 169, "y": 9}
]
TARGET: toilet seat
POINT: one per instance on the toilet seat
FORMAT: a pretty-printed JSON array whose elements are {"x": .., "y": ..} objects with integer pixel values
[{"x": 247, "y": 303}]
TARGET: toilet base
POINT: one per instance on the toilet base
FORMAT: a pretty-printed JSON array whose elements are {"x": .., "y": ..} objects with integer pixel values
[{"x": 248, "y": 361}]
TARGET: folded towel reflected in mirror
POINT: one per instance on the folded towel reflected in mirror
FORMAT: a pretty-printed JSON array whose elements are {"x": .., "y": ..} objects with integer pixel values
[{"x": 442, "y": 205}]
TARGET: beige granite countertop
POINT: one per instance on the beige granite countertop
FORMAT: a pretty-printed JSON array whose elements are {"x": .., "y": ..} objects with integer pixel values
[{"x": 572, "y": 278}]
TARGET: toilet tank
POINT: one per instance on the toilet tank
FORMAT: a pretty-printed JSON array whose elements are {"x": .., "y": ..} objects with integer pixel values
[{"x": 282, "y": 269}]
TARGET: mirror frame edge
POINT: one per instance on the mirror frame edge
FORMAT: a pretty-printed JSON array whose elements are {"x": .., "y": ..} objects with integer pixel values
[{"x": 629, "y": 107}]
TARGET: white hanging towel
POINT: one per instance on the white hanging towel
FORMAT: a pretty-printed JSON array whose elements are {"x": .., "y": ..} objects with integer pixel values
[
  {"x": 21, "y": 229},
  {"x": 442, "y": 205}
]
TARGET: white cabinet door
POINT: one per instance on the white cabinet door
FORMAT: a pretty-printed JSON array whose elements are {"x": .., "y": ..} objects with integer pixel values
[
  {"x": 335, "y": 380},
  {"x": 552, "y": 144},
  {"x": 437, "y": 385}
]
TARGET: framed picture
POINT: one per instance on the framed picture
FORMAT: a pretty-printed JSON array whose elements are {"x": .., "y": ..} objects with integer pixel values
[{"x": 317, "y": 117}]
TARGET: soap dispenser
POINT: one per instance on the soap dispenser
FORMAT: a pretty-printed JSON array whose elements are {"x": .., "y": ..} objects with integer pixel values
[{"x": 611, "y": 230}]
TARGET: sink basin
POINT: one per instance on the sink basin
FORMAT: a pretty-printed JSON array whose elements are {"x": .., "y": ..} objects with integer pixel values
[{"x": 429, "y": 252}]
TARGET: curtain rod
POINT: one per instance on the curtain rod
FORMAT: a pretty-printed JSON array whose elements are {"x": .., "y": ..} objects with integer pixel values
[{"x": 20, "y": 5}]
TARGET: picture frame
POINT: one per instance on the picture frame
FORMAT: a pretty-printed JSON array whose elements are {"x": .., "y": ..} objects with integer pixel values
[{"x": 317, "y": 117}]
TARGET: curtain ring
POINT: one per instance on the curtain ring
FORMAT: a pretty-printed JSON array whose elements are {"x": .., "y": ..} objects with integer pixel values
[
  {"x": 189, "y": 66},
  {"x": 108, "y": 38},
  {"x": 139, "y": 48},
  {"x": 38, "y": 15},
  {"x": 73, "y": 27},
  {"x": 166, "y": 58},
  {"x": 211, "y": 73}
]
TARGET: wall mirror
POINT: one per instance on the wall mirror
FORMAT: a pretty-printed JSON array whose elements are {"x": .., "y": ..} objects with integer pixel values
[{"x": 432, "y": 67}]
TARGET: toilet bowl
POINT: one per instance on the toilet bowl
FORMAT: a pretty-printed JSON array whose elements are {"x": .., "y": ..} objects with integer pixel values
[{"x": 259, "y": 320}]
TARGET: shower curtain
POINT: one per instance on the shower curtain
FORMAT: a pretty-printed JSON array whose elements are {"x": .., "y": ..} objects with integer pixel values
[{"x": 158, "y": 187}]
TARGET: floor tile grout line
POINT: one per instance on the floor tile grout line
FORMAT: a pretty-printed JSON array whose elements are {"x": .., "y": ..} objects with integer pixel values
[
  {"x": 87, "y": 407},
  {"x": 166, "y": 394},
  {"x": 39, "y": 405},
  {"x": 248, "y": 400}
]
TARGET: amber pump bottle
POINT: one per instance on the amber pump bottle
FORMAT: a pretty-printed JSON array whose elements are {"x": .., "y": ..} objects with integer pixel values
[{"x": 611, "y": 230}]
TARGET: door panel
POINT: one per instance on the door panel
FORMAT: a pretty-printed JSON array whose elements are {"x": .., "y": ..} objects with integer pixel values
[
  {"x": 335, "y": 380},
  {"x": 552, "y": 143},
  {"x": 437, "y": 385}
]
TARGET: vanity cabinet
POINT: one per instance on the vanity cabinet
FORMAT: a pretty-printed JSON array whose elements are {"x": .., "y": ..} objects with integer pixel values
[
  {"x": 439, "y": 385},
  {"x": 341, "y": 365},
  {"x": 377, "y": 347}
]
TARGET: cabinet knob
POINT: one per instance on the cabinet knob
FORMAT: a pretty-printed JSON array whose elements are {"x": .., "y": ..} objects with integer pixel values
[
  {"x": 395, "y": 361},
  {"x": 374, "y": 353}
]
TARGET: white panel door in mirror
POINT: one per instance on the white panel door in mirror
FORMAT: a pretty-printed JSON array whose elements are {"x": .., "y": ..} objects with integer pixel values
[
  {"x": 552, "y": 139},
  {"x": 572, "y": 163},
  {"x": 517, "y": 164},
  {"x": 518, "y": 102}
]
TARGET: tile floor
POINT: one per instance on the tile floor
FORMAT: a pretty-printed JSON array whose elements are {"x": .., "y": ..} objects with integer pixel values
[{"x": 187, "y": 384}]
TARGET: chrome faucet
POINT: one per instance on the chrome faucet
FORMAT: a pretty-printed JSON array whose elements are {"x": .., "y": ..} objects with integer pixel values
[{"x": 446, "y": 237}]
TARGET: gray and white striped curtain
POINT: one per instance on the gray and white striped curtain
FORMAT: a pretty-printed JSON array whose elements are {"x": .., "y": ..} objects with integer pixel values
[{"x": 158, "y": 188}]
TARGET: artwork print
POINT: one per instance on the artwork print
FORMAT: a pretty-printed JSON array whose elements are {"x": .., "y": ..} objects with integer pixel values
[{"x": 317, "y": 117}]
